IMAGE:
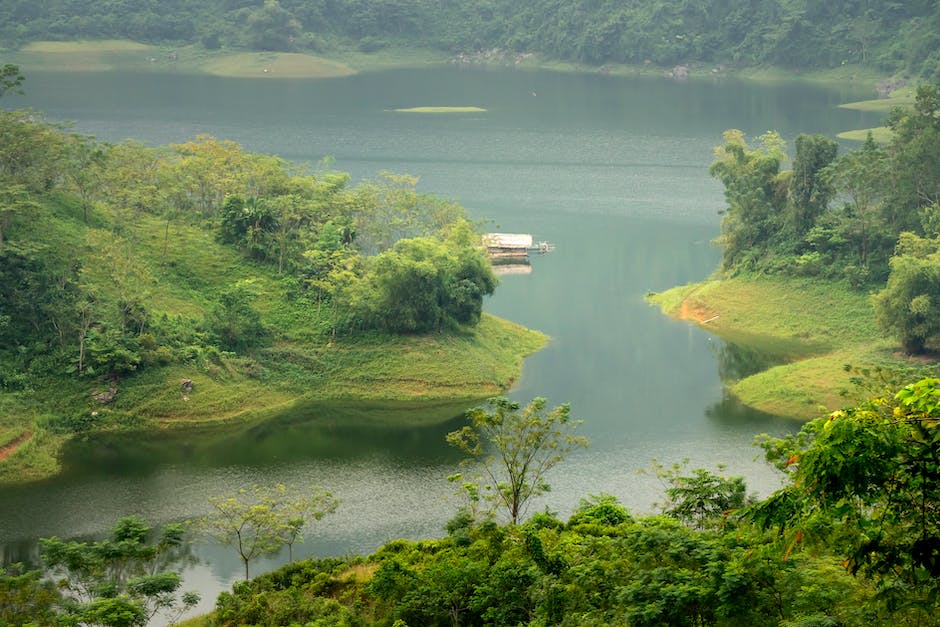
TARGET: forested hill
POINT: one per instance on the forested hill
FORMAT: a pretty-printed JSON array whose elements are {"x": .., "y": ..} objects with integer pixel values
[{"x": 890, "y": 36}]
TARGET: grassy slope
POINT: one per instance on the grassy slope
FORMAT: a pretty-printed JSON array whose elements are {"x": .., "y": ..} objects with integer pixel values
[
  {"x": 818, "y": 328},
  {"x": 301, "y": 364}
]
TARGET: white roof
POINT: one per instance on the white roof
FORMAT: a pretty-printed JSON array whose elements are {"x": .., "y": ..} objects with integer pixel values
[{"x": 507, "y": 240}]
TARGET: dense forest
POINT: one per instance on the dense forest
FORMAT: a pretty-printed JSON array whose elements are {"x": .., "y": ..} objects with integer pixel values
[
  {"x": 902, "y": 37},
  {"x": 870, "y": 216}
]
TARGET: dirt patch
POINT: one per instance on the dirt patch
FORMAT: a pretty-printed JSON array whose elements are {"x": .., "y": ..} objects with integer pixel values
[
  {"x": 925, "y": 359},
  {"x": 696, "y": 312},
  {"x": 8, "y": 449}
]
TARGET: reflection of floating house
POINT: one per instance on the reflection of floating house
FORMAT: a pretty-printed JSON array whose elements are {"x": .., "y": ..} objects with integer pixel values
[
  {"x": 512, "y": 245},
  {"x": 511, "y": 265}
]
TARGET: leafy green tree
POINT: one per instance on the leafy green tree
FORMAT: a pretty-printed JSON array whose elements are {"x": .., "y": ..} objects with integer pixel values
[
  {"x": 527, "y": 443},
  {"x": 25, "y": 598},
  {"x": 915, "y": 160},
  {"x": 85, "y": 162},
  {"x": 858, "y": 178},
  {"x": 702, "y": 499},
  {"x": 10, "y": 79},
  {"x": 863, "y": 481},
  {"x": 809, "y": 190},
  {"x": 30, "y": 151},
  {"x": 124, "y": 580},
  {"x": 271, "y": 27},
  {"x": 234, "y": 321},
  {"x": 756, "y": 197},
  {"x": 263, "y": 519},
  {"x": 422, "y": 284},
  {"x": 908, "y": 306},
  {"x": 14, "y": 199}
]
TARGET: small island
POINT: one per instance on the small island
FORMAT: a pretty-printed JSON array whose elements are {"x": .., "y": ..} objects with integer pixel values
[{"x": 442, "y": 110}]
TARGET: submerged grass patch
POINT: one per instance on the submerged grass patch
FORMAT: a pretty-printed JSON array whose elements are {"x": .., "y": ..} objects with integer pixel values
[
  {"x": 72, "y": 47},
  {"x": 902, "y": 98},
  {"x": 881, "y": 134},
  {"x": 275, "y": 65},
  {"x": 817, "y": 326},
  {"x": 442, "y": 110}
]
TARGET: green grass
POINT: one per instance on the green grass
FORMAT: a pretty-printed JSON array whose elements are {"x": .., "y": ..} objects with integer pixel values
[
  {"x": 197, "y": 621},
  {"x": 815, "y": 327},
  {"x": 881, "y": 134},
  {"x": 275, "y": 65},
  {"x": 901, "y": 98},
  {"x": 442, "y": 110}
]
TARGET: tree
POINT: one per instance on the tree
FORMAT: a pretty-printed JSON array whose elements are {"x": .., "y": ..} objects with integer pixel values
[
  {"x": 10, "y": 79},
  {"x": 13, "y": 199},
  {"x": 915, "y": 159},
  {"x": 810, "y": 191},
  {"x": 263, "y": 519},
  {"x": 25, "y": 598},
  {"x": 85, "y": 164},
  {"x": 423, "y": 284},
  {"x": 122, "y": 581},
  {"x": 702, "y": 500},
  {"x": 528, "y": 443},
  {"x": 234, "y": 321},
  {"x": 858, "y": 179},
  {"x": 909, "y": 306},
  {"x": 30, "y": 151},
  {"x": 755, "y": 193},
  {"x": 865, "y": 482}
]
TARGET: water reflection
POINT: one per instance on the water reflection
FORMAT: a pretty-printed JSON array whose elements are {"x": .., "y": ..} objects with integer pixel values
[
  {"x": 736, "y": 361},
  {"x": 411, "y": 432}
]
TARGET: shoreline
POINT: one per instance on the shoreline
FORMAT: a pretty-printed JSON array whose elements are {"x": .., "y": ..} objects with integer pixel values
[
  {"x": 155, "y": 405},
  {"x": 818, "y": 335},
  {"x": 126, "y": 55}
]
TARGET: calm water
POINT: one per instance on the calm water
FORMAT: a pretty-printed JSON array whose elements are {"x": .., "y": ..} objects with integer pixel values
[{"x": 613, "y": 171}]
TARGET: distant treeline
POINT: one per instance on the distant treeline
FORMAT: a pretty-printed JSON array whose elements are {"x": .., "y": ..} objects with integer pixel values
[{"x": 891, "y": 36}]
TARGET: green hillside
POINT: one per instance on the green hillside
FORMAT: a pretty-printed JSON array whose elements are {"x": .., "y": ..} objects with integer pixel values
[
  {"x": 890, "y": 37},
  {"x": 199, "y": 283}
]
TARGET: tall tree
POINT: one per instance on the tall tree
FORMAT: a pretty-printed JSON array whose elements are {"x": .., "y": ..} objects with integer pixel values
[
  {"x": 527, "y": 443},
  {"x": 755, "y": 194},
  {"x": 263, "y": 519},
  {"x": 810, "y": 191}
]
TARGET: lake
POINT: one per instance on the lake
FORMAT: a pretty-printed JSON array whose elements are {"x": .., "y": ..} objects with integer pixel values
[{"x": 613, "y": 171}]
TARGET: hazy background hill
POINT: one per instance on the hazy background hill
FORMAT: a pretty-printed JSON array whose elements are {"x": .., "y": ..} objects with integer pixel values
[{"x": 901, "y": 37}]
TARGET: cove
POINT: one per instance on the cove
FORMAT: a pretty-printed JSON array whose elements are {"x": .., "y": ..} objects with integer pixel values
[{"x": 611, "y": 170}]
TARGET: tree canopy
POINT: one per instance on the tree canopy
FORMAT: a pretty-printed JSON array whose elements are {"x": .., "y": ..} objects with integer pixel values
[{"x": 889, "y": 36}]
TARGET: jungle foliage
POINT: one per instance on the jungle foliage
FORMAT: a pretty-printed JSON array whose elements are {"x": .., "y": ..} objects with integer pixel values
[
  {"x": 850, "y": 539},
  {"x": 870, "y": 217},
  {"x": 889, "y": 36}
]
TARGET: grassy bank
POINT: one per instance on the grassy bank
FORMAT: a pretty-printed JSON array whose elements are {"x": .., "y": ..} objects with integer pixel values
[
  {"x": 420, "y": 371},
  {"x": 109, "y": 55},
  {"x": 814, "y": 328},
  {"x": 129, "y": 56}
]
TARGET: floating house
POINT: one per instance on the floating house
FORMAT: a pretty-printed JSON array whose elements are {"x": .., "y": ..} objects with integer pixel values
[
  {"x": 507, "y": 244},
  {"x": 513, "y": 245}
]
